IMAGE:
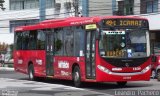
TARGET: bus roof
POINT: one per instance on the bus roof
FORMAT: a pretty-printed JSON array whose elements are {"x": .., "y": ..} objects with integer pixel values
[{"x": 71, "y": 21}]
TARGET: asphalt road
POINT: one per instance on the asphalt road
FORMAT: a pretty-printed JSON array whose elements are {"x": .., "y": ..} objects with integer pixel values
[{"x": 10, "y": 80}]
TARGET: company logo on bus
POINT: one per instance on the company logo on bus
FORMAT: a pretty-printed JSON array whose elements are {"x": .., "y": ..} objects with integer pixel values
[{"x": 63, "y": 64}]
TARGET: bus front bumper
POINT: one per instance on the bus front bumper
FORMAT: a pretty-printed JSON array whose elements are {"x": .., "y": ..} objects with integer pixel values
[{"x": 105, "y": 75}]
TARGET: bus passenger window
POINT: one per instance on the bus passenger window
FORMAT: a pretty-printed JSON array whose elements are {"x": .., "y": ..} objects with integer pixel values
[
  {"x": 59, "y": 42},
  {"x": 25, "y": 40},
  {"x": 32, "y": 40},
  {"x": 40, "y": 40},
  {"x": 18, "y": 41},
  {"x": 68, "y": 41}
]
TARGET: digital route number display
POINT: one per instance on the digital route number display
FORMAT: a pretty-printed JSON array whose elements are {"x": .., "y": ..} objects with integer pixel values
[{"x": 125, "y": 23}]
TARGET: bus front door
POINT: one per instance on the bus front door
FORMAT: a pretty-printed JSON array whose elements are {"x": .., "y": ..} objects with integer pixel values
[
  {"x": 49, "y": 53},
  {"x": 90, "y": 54}
]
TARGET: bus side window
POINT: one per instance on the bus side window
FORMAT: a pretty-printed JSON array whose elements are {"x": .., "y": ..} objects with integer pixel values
[
  {"x": 18, "y": 41},
  {"x": 40, "y": 40},
  {"x": 154, "y": 58},
  {"x": 68, "y": 41},
  {"x": 58, "y": 42},
  {"x": 32, "y": 40},
  {"x": 78, "y": 30}
]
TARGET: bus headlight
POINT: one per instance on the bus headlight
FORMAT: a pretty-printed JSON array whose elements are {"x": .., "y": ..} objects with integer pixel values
[
  {"x": 104, "y": 69},
  {"x": 146, "y": 69}
]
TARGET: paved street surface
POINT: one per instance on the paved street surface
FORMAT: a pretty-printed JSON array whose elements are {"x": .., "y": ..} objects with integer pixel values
[{"x": 17, "y": 84}]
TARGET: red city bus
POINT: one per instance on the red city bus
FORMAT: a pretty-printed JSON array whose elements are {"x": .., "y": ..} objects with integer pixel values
[{"x": 85, "y": 49}]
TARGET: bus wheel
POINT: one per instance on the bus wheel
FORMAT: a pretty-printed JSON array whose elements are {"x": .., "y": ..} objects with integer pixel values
[
  {"x": 122, "y": 83},
  {"x": 31, "y": 72},
  {"x": 77, "y": 77},
  {"x": 158, "y": 75}
]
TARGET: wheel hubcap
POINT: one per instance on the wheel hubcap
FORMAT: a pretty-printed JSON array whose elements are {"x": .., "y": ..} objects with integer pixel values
[
  {"x": 31, "y": 74},
  {"x": 76, "y": 76}
]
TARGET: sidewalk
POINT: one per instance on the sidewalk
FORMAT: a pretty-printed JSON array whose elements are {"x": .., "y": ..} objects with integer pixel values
[{"x": 6, "y": 68}]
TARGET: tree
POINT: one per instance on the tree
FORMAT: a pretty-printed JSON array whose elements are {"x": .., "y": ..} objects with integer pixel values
[
  {"x": 1, "y": 4},
  {"x": 3, "y": 47}
]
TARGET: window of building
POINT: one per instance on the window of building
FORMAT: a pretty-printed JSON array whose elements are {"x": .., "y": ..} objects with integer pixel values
[
  {"x": 16, "y": 4},
  {"x": 126, "y": 7},
  {"x": 152, "y": 6},
  {"x": 67, "y": 6},
  {"x": 129, "y": 5},
  {"x": 50, "y": 3},
  {"x": 29, "y": 4},
  {"x": 23, "y": 4},
  {"x": 57, "y": 8},
  {"x": 149, "y": 6},
  {"x": 120, "y": 8}
]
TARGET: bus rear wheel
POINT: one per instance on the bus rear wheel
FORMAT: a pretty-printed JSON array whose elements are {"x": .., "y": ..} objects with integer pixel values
[
  {"x": 31, "y": 72},
  {"x": 77, "y": 77},
  {"x": 121, "y": 84},
  {"x": 158, "y": 75}
]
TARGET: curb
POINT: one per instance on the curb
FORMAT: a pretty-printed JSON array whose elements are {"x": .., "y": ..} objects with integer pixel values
[{"x": 6, "y": 69}]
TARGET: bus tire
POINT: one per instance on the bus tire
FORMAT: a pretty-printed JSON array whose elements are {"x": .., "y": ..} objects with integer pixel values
[
  {"x": 76, "y": 77},
  {"x": 158, "y": 75},
  {"x": 121, "y": 84},
  {"x": 31, "y": 72}
]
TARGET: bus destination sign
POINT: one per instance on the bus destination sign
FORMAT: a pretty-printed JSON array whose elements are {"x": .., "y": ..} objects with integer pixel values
[{"x": 125, "y": 23}]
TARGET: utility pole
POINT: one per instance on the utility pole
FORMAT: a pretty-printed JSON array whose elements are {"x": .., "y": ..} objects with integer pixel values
[
  {"x": 76, "y": 7},
  {"x": 85, "y": 8},
  {"x": 113, "y": 7},
  {"x": 42, "y": 9},
  {"x": 1, "y": 5}
]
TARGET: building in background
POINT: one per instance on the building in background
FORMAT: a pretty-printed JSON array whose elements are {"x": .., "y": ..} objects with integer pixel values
[
  {"x": 99, "y": 7},
  {"x": 149, "y": 9},
  {"x": 26, "y": 12}
]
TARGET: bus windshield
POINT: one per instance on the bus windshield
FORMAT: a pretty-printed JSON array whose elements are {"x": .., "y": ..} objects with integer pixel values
[{"x": 124, "y": 43}]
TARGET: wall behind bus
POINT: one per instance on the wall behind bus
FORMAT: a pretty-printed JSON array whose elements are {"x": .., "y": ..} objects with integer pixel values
[{"x": 100, "y": 7}]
